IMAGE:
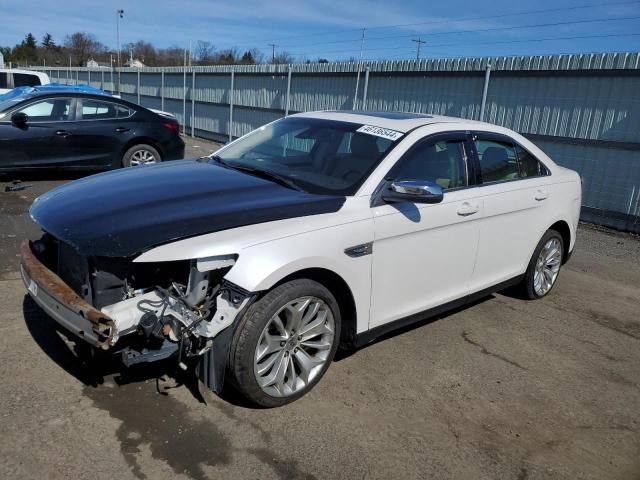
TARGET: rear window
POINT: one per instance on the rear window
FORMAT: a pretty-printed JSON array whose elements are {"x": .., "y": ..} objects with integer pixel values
[
  {"x": 25, "y": 80},
  {"x": 99, "y": 110}
]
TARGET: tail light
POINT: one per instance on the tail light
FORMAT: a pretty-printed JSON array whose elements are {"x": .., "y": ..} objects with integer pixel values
[{"x": 173, "y": 126}]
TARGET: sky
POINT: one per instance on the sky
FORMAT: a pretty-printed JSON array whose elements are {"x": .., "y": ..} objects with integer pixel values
[{"x": 332, "y": 29}]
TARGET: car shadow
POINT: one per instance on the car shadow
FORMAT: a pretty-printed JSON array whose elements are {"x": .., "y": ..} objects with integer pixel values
[{"x": 90, "y": 366}]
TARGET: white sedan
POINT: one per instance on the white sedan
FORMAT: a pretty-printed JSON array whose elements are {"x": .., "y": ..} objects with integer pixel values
[{"x": 316, "y": 231}]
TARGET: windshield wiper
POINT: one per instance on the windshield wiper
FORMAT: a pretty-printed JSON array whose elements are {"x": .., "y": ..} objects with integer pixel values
[{"x": 268, "y": 174}]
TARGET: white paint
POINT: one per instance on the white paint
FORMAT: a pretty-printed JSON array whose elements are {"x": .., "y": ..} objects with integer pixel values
[{"x": 423, "y": 255}]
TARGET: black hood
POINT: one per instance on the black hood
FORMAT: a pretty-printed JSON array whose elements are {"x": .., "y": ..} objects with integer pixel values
[{"x": 128, "y": 211}]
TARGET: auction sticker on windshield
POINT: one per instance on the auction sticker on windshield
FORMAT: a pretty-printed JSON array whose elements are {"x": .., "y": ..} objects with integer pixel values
[{"x": 380, "y": 132}]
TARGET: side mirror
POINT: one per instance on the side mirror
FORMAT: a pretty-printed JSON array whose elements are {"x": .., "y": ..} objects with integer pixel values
[
  {"x": 416, "y": 191},
  {"x": 19, "y": 119}
]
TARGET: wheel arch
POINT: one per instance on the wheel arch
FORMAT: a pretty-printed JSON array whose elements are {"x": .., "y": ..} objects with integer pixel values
[
  {"x": 340, "y": 289},
  {"x": 562, "y": 227}
]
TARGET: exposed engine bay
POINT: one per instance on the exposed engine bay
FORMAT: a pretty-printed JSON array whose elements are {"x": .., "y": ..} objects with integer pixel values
[{"x": 156, "y": 310}]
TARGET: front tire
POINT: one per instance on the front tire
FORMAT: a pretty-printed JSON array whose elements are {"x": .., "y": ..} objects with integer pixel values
[
  {"x": 140, "y": 154},
  {"x": 544, "y": 266},
  {"x": 285, "y": 342}
]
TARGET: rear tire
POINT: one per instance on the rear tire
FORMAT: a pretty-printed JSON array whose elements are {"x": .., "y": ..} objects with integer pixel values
[
  {"x": 284, "y": 343},
  {"x": 140, "y": 154},
  {"x": 544, "y": 266}
]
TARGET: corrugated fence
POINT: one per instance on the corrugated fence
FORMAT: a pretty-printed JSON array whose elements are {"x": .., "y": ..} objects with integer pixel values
[{"x": 583, "y": 110}]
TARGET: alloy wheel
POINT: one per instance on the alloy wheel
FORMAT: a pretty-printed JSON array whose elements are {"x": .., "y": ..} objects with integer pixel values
[
  {"x": 294, "y": 346},
  {"x": 547, "y": 266},
  {"x": 142, "y": 157}
]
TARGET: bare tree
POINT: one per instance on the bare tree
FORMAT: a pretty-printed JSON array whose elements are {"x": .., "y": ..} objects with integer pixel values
[
  {"x": 203, "y": 53},
  {"x": 172, "y": 56},
  {"x": 83, "y": 46},
  {"x": 283, "y": 58},
  {"x": 143, "y": 51}
]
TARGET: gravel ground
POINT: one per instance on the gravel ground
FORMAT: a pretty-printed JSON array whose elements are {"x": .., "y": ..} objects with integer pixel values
[{"x": 503, "y": 389}]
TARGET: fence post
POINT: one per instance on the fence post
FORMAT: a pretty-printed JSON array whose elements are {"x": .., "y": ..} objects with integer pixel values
[
  {"x": 162, "y": 89},
  {"x": 286, "y": 110},
  {"x": 89, "y": 77},
  {"x": 193, "y": 101},
  {"x": 231, "y": 106},
  {"x": 102, "y": 80},
  {"x": 487, "y": 76},
  {"x": 366, "y": 86},
  {"x": 138, "y": 87},
  {"x": 184, "y": 98}
]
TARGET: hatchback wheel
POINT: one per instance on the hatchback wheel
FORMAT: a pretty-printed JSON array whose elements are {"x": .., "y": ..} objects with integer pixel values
[
  {"x": 285, "y": 343},
  {"x": 544, "y": 266},
  {"x": 141, "y": 154}
]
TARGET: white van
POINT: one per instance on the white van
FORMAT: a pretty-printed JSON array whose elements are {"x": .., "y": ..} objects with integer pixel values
[{"x": 12, "y": 78}]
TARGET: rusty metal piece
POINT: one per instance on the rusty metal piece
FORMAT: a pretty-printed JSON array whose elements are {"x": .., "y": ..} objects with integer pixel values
[{"x": 104, "y": 326}]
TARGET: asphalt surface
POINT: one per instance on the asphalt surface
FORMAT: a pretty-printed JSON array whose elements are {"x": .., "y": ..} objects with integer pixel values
[{"x": 503, "y": 389}]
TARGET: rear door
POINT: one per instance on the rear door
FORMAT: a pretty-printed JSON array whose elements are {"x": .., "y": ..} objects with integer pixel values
[
  {"x": 42, "y": 141},
  {"x": 99, "y": 132},
  {"x": 423, "y": 255},
  {"x": 512, "y": 185}
]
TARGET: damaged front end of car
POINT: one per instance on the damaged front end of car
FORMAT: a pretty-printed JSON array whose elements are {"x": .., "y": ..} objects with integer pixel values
[{"x": 143, "y": 312}]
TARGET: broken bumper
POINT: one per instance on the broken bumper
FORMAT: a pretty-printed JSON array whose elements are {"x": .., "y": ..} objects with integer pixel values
[{"x": 63, "y": 304}]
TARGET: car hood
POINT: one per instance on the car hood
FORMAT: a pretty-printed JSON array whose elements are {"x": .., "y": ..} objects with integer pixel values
[{"x": 128, "y": 211}]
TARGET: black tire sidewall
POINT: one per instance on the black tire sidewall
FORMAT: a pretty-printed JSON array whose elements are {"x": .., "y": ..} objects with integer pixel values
[
  {"x": 530, "y": 273},
  {"x": 126, "y": 158},
  {"x": 250, "y": 328}
]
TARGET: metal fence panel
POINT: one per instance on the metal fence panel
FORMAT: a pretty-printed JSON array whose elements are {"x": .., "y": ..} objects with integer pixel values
[{"x": 583, "y": 110}]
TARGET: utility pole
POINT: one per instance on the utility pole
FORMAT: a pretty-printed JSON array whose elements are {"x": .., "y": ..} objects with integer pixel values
[
  {"x": 355, "y": 95},
  {"x": 119, "y": 15},
  {"x": 273, "y": 52},
  {"x": 419, "y": 41}
]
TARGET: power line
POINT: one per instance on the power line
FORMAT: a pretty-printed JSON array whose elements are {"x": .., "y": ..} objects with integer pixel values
[
  {"x": 463, "y": 19},
  {"x": 490, "y": 42},
  {"x": 494, "y": 29}
]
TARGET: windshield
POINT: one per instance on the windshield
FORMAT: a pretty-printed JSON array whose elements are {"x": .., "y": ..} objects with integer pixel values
[
  {"x": 316, "y": 155},
  {"x": 11, "y": 98}
]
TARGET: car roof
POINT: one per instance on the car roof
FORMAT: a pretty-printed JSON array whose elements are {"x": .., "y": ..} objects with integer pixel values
[
  {"x": 37, "y": 93},
  {"x": 398, "y": 121}
]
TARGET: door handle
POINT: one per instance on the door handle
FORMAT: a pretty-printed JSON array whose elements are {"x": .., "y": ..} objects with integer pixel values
[
  {"x": 121, "y": 129},
  {"x": 63, "y": 133},
  {"x": 541, "y": 194},
  {"x": 467, "y": 209}
]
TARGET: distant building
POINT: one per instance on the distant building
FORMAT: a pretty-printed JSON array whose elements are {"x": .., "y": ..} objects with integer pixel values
[
  {"x": 91, "y": 63},
  {"x": 134, "y": 62}
]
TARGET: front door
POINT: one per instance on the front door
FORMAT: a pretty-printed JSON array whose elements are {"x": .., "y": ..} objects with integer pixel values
[
  {"x": 424, "y": 254},
  {"x": 42, "y": 140}
]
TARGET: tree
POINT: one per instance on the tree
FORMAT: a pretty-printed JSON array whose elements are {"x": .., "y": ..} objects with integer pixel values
[
  {"x": 283, "y": 58},
  {"x": 143, "y": 51},
  {"x": 83, "y": 46},
  {"x": 172, "y": 56},
  {"x": 26, "y": 51},
  {"x": 226, "y": 57},
  {"x": 323, "y": 60},
  {"x": 48, "y": 43},
  {"x": 204, "y": 52}
]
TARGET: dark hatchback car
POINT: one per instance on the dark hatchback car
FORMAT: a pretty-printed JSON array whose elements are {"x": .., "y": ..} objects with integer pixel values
[{"x": 82, "y": 131}]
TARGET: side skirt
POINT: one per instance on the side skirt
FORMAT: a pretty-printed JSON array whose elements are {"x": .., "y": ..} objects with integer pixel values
[{"x": 369, "y": 336}]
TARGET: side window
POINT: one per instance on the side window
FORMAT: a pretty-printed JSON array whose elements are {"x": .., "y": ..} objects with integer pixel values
[
  {"x": 440, "y": 162},
  {"x": 51, "y": 110},
  {"x": 96, "y": 110},
  {"x": 4, "y": 81},
  {"x": 529, "y": 165},
  {"x": 498, "y": 161},
  {"x": 25, "y": 80}
]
